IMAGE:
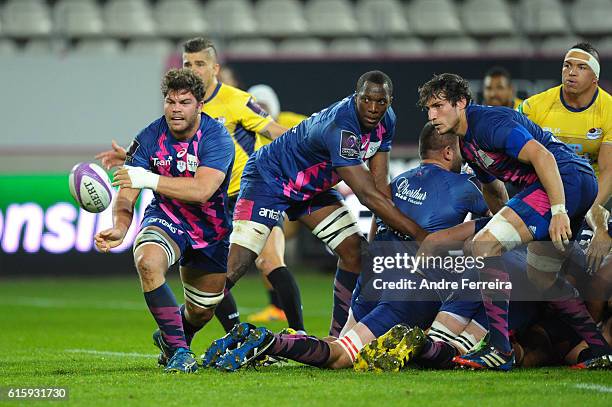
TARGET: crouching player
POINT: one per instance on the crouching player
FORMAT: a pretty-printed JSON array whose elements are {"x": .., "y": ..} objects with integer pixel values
[
  {"x": 447, "y": 197},
  {"x": 502, "y": 145},
  {"x": 185, "y": 158}
]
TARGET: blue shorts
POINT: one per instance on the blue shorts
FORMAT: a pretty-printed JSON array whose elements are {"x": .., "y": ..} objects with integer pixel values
[
  {"x": 380, "y": 316},
  {"x": 210, "y": 259},
  {"x": 258, "y": 202},
  {"x": 533, "y": 206}
]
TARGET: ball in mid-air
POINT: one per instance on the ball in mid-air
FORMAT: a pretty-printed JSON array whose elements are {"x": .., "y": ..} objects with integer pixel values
[{"x": 90, "y": 187}]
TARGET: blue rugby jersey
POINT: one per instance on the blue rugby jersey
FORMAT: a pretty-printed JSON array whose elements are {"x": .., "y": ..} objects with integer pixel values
[
  {"x": 496, "y": 135},
  {"x": 300, "y": 163}
]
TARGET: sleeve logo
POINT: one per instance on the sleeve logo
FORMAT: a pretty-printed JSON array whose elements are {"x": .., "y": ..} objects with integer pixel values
[
  {"x": 132, "y": 150},
  {"x": 350, "y": 145},
  {"x": 251, "y": 104}
]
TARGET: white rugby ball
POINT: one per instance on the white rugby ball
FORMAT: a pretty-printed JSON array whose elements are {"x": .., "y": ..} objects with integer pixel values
[{"x": 90, "y": 187}]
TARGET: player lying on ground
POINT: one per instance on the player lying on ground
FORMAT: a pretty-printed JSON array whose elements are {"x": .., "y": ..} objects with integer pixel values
[
  {"x": 449, "y": 197},
  {"x": 185, "y": 157},
  {"x": 501, "y": 145}
]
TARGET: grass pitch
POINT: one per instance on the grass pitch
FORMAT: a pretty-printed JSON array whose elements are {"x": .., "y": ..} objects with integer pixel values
[{"x": 93, "y": 336}]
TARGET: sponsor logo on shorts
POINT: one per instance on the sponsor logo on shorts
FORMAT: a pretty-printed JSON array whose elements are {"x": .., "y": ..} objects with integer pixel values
[
  {"x": 221, "y": 120},
  {"x": 594, "y": 134},
  {"x": 164, "y": 222},
  {"x": 273, "y": 214},
  {"x": 350, "y": 145},
  {"x": 405, "y": 193}
]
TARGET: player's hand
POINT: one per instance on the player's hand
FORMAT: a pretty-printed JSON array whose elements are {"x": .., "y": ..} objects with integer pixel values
[
  {"x": 108, "y": 239},
  {"x": 114, "y": 157},
  {"x": 598, "y": 249},
  {"x": 560, "y": 231},
  {"x": 135, "y": 177}
]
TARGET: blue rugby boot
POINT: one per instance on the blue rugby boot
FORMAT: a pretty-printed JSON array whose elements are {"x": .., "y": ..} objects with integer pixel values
[
  {"x": 183, "y": 361},
  {"x": 230, "y": 341},
  {"x": 258, "y": 341}
]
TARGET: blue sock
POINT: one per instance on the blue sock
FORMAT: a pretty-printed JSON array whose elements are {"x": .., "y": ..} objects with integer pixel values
[
  {"x": 165, "y": 310},
  {"x": 344, "y": 284},
  {"x": 188, "y": 327}
]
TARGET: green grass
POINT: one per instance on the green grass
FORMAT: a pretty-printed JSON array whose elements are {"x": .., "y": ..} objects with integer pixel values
[{"x": 49, "y": 325}]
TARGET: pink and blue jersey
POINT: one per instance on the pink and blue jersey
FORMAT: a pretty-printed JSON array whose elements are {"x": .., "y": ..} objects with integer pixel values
[
  {"x": 300, "y": 164},
  {"x": 156, "y": 149},
  {"x": 496, "y": 135}
]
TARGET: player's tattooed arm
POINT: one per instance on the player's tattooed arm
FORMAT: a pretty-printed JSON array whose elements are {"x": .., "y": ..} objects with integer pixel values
[
  {"x": 123, "y": 212},
  {"x": 362, "y": 183},
  {"x": 495, "y": 195},
  {"x": 546, "y": 168},
  {"x": 273, "y": 130}
]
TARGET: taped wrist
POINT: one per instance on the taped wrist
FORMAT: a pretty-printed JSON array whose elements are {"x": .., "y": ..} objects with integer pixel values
[{"x": 142, "y": 178}]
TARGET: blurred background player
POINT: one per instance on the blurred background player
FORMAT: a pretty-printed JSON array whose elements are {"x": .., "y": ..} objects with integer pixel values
[
  {"x": 498, "y": 89},
  {"x": 185, "y": 158},
  {"x": 579, "y": 113},
  {"x": 243, "y": 118},
  {"x": 266, "y": 97}
]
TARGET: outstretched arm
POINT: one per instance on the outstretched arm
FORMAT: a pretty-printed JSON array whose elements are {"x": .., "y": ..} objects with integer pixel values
[
  {"x": 123, "y": 212},
  {"x": 197, "y": 190},
  {"x": 363, "y": 185}
]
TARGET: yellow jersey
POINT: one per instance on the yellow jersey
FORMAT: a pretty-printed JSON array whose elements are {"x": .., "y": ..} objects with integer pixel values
[
  {"x": 517, "y": 103},
  {"x": 582, "y": 129},
  {"x": 243, "y": 119},
  {"x": 285, "y": 119}
]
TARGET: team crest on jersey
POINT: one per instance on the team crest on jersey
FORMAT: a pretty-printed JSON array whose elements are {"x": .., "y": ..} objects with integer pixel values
[
  {"x": 350, "y": 145},
  {"x": 192, "y": 162},
  {"x": 181, "y": 166},
  {"x": 594, "y": 134}
]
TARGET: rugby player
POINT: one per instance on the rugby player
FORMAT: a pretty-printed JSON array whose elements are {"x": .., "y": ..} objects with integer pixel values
[
  {"x": 578, "y": 112},
  {"x": 185, "y": 158},
  {"x": 502, "y": 145},
  {"x": 243, "y": 118}
]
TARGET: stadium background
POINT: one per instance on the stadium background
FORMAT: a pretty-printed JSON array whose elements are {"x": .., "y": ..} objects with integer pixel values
[{"x": 78, "y": 73}]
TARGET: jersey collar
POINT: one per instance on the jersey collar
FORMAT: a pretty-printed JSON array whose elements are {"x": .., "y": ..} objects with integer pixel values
[
  {"x": 581, "y": 109},
  {"x": 214, "y": 92}
]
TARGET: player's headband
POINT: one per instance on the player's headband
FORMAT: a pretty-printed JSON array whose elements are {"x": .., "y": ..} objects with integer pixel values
[{"x": 580, "y": 55}]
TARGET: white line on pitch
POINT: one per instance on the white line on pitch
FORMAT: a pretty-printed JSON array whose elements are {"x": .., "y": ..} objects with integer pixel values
[
  {"x": 108, "y": 353},
  {"x": 596, "y": 387}
]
